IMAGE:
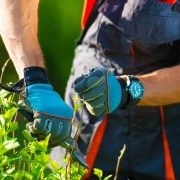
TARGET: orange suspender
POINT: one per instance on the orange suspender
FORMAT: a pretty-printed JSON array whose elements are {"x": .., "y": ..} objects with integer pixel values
[
  {"x": 169, "y": 172},
  {"x": 94, "y": 146},
  {"x": 168, "y": 1},
  {"x": 88, "y": 5}
]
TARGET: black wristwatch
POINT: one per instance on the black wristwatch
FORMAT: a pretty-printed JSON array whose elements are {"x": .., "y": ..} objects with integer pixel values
[{"x": 132, "y": 90}]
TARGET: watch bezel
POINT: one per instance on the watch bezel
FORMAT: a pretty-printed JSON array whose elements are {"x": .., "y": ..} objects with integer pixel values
[
  {"x": 130, "y": 79},
  {"x": 130, "y": 89}
]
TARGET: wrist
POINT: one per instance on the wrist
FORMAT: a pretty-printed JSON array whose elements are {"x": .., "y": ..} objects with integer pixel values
[
  {"x": 35, "y": 75},
  {"x": 125, "y": 96},
  {"x": 132, "y": 90}
]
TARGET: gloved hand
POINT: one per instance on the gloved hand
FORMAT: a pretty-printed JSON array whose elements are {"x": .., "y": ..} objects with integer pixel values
[
  {"x": 45, "y": 110},
  {"x": 99, "y": 90}
]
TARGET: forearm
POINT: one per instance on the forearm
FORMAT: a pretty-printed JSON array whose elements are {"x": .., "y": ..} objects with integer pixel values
[
  {"x": 18, "y": 28},
  {"x": 161, "y": 87}
]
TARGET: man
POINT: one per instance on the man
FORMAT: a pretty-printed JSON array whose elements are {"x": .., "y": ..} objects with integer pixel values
[
  {"x": 132, "y": 49},
  {"x": 131, "y": 38},
  {"x": 45, "y": 109}
]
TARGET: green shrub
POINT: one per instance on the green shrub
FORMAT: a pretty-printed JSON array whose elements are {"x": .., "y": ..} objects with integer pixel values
[{"x": 29, "y": 162}]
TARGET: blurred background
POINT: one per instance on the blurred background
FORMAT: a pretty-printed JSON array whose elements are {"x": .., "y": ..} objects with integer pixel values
[{"x": 59, "y": 28}]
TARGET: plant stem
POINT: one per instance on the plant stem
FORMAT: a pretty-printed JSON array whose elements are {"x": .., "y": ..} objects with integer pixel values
[
  {"x": 24, "y": 163},
  {"x": 19, "y": 166},
  {"x": 118, "y": 162},
  {"x": 3, "y": 69}
]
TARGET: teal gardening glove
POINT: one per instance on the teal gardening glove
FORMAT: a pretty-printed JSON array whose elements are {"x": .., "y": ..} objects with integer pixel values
[
  {"x": 99, "y": 90},
  {"x": 45, "y": 109}
]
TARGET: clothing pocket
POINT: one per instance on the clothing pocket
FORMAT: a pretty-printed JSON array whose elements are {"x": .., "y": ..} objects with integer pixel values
[
  {"x": 113, "y": 41},
  {"x": 150, "y": 21},
  {"x": 115, "y": 45}
]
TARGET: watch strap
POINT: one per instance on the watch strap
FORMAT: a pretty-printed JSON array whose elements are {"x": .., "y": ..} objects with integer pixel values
[
  {"x": 127, "y": 100},
  {"x": 125, "y": 95},
  {"x": 132, "y": 101}
]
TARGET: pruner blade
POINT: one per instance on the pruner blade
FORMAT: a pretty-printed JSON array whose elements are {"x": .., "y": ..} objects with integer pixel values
[{"x": 71, "y": 145}]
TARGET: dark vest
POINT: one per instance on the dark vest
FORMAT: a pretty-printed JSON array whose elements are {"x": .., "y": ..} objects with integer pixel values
[{"x": 139, "y": 36}]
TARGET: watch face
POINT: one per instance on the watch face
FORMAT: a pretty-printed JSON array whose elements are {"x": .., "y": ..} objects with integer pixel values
[{"x": 136, "y": 89}]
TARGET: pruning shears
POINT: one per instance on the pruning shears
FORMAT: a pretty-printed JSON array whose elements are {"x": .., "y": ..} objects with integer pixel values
[{"x": 70, "y": 144}]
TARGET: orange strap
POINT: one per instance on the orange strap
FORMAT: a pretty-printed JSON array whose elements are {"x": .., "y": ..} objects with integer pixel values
[
  {"x": 168, "y": 1},
  {"x": 169, "y": 171},
  {"x": 88, "y": 5},
  {"x": 94, "y": 146},
  {"x": 133, "y": 55}
]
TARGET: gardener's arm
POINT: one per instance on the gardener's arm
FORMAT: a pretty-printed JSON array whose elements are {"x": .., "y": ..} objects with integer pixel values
[
  {"x": 45, "y": 109},
  {"x": 161, "y": 87},
  {"x": 102, "y": 92},
  {"x": 18, "y": 28}
]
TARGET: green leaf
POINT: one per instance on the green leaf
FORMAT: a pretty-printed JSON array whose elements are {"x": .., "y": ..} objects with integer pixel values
[
  {"x": 9, "y": 99},
  {"x": 82, "y": 171},
  {"x": 13, "y": 126},
  {"x": 76, "y": 104},
  {"x": 42, "y": 145},
  {"x": 53, "y": 176},
  {"x": 107, "y": 177},
  {"x": 8, "y": 145},
  {"x": 2, "y": 121},
  {"x": 42, "y": 159},
  {"x": 2, "y": 127},
  {"x": 3, "y": 160},
  {"x": 5, "y": 175},
  {"x": 9, "y": 171},
  {"x": 28, "y": 136},
  {"x": 20, "y": 175},
  {"x": 54, "y": 164},
  {"x": 24, "y": 154},
  {"x": 98, "y": 173},
  {"x": 3, "y": 94},
  {"x": 10, "y": 114},
  {"x": 36, "y": 170}
]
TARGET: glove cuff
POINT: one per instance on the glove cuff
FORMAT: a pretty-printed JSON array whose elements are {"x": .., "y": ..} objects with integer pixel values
[
  {"x": 35, "y": 75},
  {"x": 125, "y": 96},
  {"x": 32, "y": 75}
]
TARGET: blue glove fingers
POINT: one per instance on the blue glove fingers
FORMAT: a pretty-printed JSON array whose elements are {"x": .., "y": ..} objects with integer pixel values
[
  {"x": 40, "y": 125},
  {"x": 44, "y": 99},
  {"x": 60, "y": 129},
  {"x": 101, "y": 100},
  {"x": 80, "y": 78},
  {"x": 93, "y": 79},
  {"x": 94, "y": 93},
  {"x": 30, "y": 127},
  {"x": 83, "y": 76},
  {"x": 97, "y": 110},
  {"x": 58, "y": 139}
]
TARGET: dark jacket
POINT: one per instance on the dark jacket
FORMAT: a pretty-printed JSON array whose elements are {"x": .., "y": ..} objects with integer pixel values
[{"x": 133, "y": 37}]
